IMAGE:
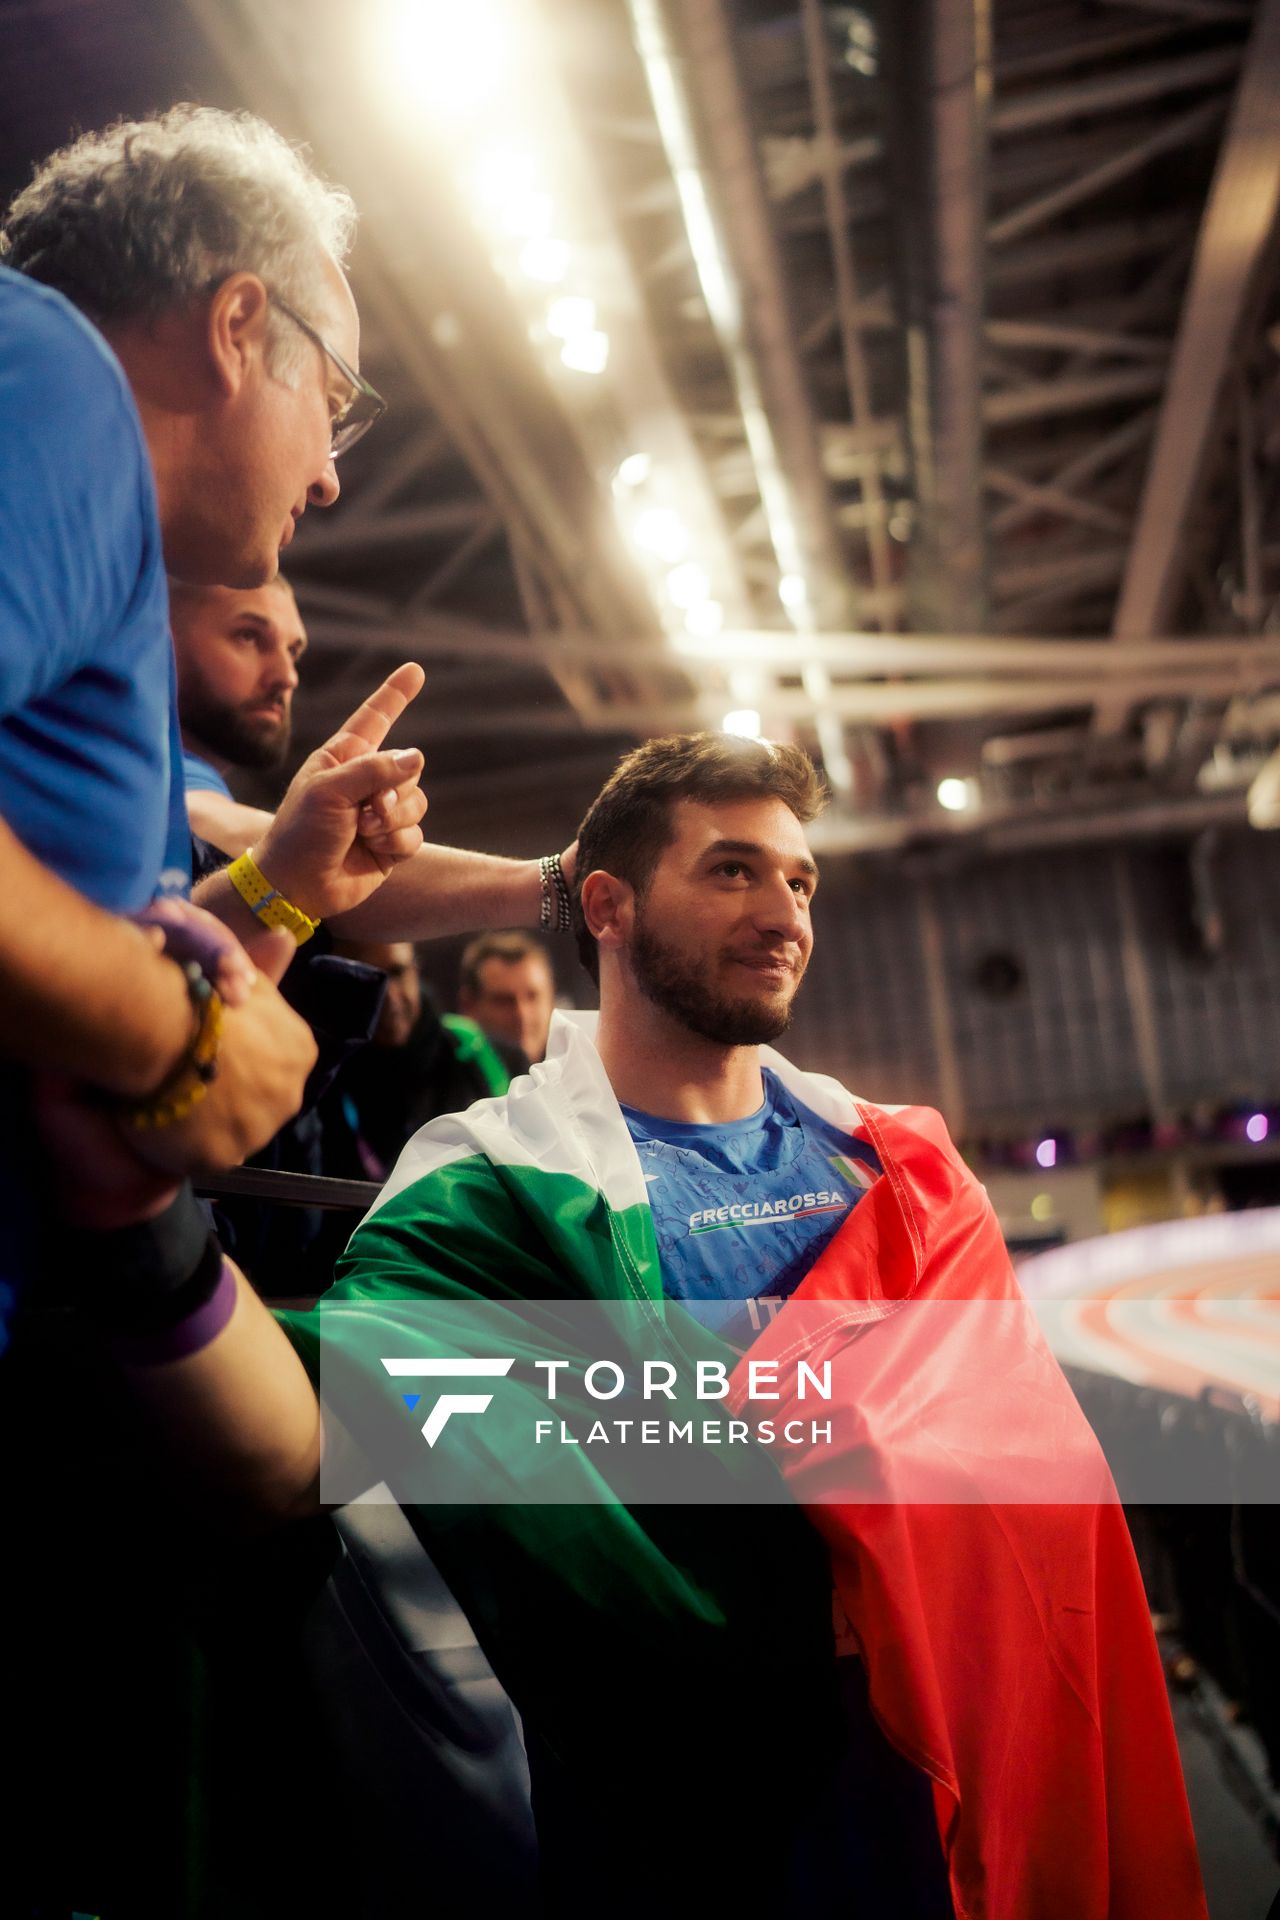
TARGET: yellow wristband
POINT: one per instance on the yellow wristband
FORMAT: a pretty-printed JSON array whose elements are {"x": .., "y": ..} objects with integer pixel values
[{"x": 268, "y": 906}]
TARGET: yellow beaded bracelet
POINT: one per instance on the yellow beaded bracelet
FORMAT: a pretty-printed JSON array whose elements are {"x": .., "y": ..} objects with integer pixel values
[
  {"x": 268, "y": 906},
  {"x": 189, "y": 1082}
]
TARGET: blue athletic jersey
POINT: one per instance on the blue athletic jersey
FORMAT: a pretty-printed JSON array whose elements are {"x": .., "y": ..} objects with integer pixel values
[
  {"x": 742, "y": 1210},
  {"x": 199, "y": 777}
]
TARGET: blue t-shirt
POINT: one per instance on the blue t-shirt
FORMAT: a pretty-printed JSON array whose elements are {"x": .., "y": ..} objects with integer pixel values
[
  {"x": 742, "y": 1210},
  {"x": 199, "y": 777},
  {"x": 89, "y": 742},
  {"x": 89, "y": 737}
]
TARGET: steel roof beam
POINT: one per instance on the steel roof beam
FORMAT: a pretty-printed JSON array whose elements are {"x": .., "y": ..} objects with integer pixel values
[
  {"x": 1053, "y": 500},
  {"x": 862, "y": 703},
  {"x": 1060, "y": 337},
  {"x": 337, "y": 617},
  {"x": 1104, "y": 451},
  {"x": 1170, "y": 138},
  {"x": 1050, "y": 106},
  {"x": 936, "y": 59},
  {"x": 857, "y": 377},
  {"x": 1071, "y": 395},
  {"x": 1089, "y": 252},
  {"x": 1233, "y": 265},
  {"x": 754, "y": 320}
]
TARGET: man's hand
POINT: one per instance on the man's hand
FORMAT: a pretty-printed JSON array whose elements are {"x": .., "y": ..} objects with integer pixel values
[
  {"x": 351, "y": 812},
  {"x": 101, "y": 1182},
  {"x": 112, "y": 1174},
  {"x": 264, "y": 1057},
  {"x": 187, "y": 932}
]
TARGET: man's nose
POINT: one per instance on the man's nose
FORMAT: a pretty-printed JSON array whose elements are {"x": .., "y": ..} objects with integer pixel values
[
  {"x": 324, "y": 491},
  {"x": 283, "y": 670},
  {"x": 783, "y": 911}
]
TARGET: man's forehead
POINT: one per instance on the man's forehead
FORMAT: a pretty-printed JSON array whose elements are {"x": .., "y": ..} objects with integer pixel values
[
  {"x": 508, "y": 969},
  {"x": 271, "y": 606},
  {"x": 763, "y": 821}
]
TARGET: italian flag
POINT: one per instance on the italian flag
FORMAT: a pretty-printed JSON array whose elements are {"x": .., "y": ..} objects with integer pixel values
[{"x": 1007, "y": 1643}]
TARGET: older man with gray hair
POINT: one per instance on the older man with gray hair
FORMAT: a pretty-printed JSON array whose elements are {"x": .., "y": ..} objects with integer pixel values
[
  {"x": 174, "y": 394},
  {"x": 191, "y": 424}
]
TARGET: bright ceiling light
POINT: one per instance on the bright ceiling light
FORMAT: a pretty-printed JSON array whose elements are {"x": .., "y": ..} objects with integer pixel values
[
  {"x": 705, "y": 620},
  {"x": 792, "y": 590},
  {"x": 545, "y": 259},
  {"x": 571, "y": 315},
  {"x": 744, "y": 721},
  {"x": 953, "y": 794},
  {"x": 633, "y": 471},
  {"x": 450, "y": 59},
  {"x": 689, "y": 585},
  {"x": 586, "y": 352},
  {"x": 527, "y": 216},
  {"x": 658, "y": 530},
  {"x": 504, "y": 174}
]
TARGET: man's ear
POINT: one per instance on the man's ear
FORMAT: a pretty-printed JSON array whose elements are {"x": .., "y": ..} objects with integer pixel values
[
  {"x": 236, "y": 334},
  {"x": 608, "y": 907}
]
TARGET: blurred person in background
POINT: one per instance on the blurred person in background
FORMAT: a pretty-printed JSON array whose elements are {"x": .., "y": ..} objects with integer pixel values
[
  {"x": 421, "y": 1063},
  {"x": 508, "y": 988},
  {"x": 240, "y": 654}
]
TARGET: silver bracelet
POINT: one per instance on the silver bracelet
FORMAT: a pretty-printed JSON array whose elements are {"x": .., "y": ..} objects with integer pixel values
[{"x": 555, "y": 910}]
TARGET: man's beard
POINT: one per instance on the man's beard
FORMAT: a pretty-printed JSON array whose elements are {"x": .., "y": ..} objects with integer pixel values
[
  {"x": 240, "y": 738},
  {"x": 667, "y": 979}
]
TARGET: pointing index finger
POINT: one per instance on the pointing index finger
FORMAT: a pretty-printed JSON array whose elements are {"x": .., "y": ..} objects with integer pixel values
[{"x": 374, "y": 717}]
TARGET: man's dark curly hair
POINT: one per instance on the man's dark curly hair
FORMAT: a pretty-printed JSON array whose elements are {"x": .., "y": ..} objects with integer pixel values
[{"x": 630, "y": 822}]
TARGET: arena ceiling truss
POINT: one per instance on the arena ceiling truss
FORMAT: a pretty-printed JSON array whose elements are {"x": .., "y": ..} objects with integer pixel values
[{"x": 901, "y": 379}]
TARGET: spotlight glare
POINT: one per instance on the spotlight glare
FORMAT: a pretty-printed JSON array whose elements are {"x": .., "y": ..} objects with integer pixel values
[
  {"x": 571, "y": 316},
  {"x": 503, "y": 176},
  {"x": 633, "y": 471},
  {"x": 451, "y": 60},
  {"x": 528, "y": 216},
  {"x": 744, "y": 722},
  {"x": 706, "y": 620},
  {"x": 953, "y": 794},
  {"x": 659, "y": 530},
  {"x": 1047, "y": 1153},
  {"x": 792, "y": 590},
  {"x": 1256, "y": 1128},
  {"x": 688, "y": 585},
  {"x": 545, "y": 259},
  {"x": 586, "y": 352}
]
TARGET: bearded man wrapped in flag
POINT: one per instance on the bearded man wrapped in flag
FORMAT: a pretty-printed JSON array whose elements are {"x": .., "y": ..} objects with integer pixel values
[{"x": 983, "y": 1733}]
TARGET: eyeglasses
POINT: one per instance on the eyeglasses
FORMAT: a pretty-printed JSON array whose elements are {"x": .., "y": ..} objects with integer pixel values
[{"x": 365, "y": 405}]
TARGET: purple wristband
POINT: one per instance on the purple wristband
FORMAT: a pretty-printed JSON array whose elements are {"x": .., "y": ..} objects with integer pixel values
[{"x": 188, "y": 1336}]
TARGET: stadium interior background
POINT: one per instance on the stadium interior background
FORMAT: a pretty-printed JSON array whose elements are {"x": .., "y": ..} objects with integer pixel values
[{"x": 902, "y": 380}]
